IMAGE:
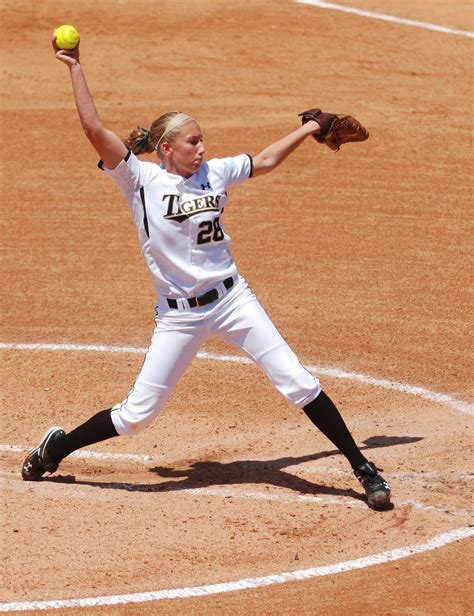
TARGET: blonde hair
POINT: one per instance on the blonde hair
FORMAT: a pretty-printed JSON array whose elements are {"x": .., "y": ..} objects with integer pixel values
[{"x": 164, "y": 129}]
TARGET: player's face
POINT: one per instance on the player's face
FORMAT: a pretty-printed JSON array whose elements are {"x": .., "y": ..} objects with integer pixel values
[{"x": 186, "y": 153}]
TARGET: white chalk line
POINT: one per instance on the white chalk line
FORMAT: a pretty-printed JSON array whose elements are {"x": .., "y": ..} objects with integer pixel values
[
  {"x": 299, "y": 498},
  {"x": 147, "y": 459},
  {"x": 457, "y": 475},
  {"x": 412, "y": 390},
  {"x": 390, "y": 18},
  {"x": 85, "y": 453},
  {"x": 295, "y": 498},
  {"x": 81, "y": 491},
  {"x": 436, "y": 542}
]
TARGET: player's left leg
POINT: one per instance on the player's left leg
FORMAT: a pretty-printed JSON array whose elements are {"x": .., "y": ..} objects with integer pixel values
[
  {"x": 248, "y": 327},
  {"x": 324, "y": 414}
]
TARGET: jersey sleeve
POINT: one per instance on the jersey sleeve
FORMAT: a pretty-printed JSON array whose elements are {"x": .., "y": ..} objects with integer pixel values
[
  {"x": 234, "y": 169},
  {"x": 130, "y": 174}
]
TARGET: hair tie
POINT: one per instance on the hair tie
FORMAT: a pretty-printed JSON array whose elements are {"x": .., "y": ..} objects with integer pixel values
[{"x": 144, "y": 139}]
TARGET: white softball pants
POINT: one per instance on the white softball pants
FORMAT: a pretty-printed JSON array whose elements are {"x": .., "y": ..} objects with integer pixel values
[{"x": 237, "y": 318}]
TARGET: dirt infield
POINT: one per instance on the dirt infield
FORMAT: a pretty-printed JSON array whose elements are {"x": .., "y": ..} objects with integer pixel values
[{"x": 360, "y": 257}]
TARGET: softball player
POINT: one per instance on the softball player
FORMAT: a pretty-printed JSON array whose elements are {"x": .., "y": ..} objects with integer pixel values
[{"x": 177, "y": 206}]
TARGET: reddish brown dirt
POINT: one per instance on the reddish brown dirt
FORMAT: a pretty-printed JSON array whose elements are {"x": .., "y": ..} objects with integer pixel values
[{"x": 360, "y": 258}]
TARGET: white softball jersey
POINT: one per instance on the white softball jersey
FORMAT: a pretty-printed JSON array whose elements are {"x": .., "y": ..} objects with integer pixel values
[
  {"x": 186, "y": 249},
  {"x": 179, "y": 221}
]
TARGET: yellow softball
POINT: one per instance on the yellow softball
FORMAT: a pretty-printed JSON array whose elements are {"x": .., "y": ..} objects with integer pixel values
[{"x": 67, "y": 37}]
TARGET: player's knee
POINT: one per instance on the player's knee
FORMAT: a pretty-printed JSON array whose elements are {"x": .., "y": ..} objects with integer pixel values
[
  {"x": 301, "y": 389},
  {"x": 289, "y": 376},
  {"x": 129, "y": 427},
  {"x": 139, "y": 410}
]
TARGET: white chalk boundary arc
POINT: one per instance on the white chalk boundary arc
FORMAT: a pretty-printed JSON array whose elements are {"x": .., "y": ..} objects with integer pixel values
[
  {"x": 257, "y": 582},
  {"x": 436, "y": 542},
  {"x": 390, "y": 18},
  {"x": 412, "y": 390}
]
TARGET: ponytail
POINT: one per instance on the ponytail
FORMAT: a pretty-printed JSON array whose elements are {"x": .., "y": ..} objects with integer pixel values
[
  {"x": 139, "y": 141},
  {"x": 165, "y": 128}
]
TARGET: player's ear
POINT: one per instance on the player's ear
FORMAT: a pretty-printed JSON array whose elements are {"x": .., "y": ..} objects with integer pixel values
[{"x": 165, "y": 149}]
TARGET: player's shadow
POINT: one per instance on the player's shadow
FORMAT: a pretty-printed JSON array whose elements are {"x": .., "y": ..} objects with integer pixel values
[{"x": 207, "y": 473}]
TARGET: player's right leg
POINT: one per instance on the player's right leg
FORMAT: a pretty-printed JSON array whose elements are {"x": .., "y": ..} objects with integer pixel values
[
  {"x": 173, "y": 347},
  {"x": 38, "y": 461}
]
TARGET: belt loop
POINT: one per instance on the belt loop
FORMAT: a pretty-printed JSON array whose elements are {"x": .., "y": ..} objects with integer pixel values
[{"x": 221, "y": 289}]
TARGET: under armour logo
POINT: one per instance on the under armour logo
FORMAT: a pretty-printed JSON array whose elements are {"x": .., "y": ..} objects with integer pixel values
[{"x": 204, "y": 186}]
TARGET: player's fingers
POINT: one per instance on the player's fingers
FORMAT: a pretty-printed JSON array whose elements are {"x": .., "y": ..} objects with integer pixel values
[{"x": 68, "y": 56}]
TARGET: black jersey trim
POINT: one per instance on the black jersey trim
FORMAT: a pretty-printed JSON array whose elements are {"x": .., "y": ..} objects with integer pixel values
[
  {"x": 145, "y": 219},
  {"x": 251, "y": 165},
  {"x": 100, "y": 164}
]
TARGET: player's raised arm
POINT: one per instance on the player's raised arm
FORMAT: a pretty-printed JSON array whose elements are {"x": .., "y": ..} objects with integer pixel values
[
  {"x": 273, "y": 155},
  {"x": 106, "y": 143},
  {"x": 331, "y": 129}
]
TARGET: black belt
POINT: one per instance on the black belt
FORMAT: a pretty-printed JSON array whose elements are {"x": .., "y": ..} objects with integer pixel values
[{"x": 205, "y": 299}]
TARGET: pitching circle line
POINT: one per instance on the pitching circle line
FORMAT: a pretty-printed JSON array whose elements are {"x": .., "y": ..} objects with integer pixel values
[
  {"x": 412, "y": 390},
  {"x": 436, "y": 542}
]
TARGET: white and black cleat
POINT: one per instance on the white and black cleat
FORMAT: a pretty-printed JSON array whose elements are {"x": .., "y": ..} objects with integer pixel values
[
  {"x": 38, "y": 461},
  {"x": 376, "y": 488}
]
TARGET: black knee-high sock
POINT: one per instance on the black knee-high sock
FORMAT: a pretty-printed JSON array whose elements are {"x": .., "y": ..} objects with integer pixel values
[
  {"x": 325, "y": 416},
  {"x": 98, "y": 428}
]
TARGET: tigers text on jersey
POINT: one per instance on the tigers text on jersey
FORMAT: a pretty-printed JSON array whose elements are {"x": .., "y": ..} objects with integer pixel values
[{"x": 179, "y": 220}]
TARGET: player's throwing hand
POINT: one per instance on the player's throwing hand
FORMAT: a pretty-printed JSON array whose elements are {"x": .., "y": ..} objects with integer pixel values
[{"x": 68, "y": 56}]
